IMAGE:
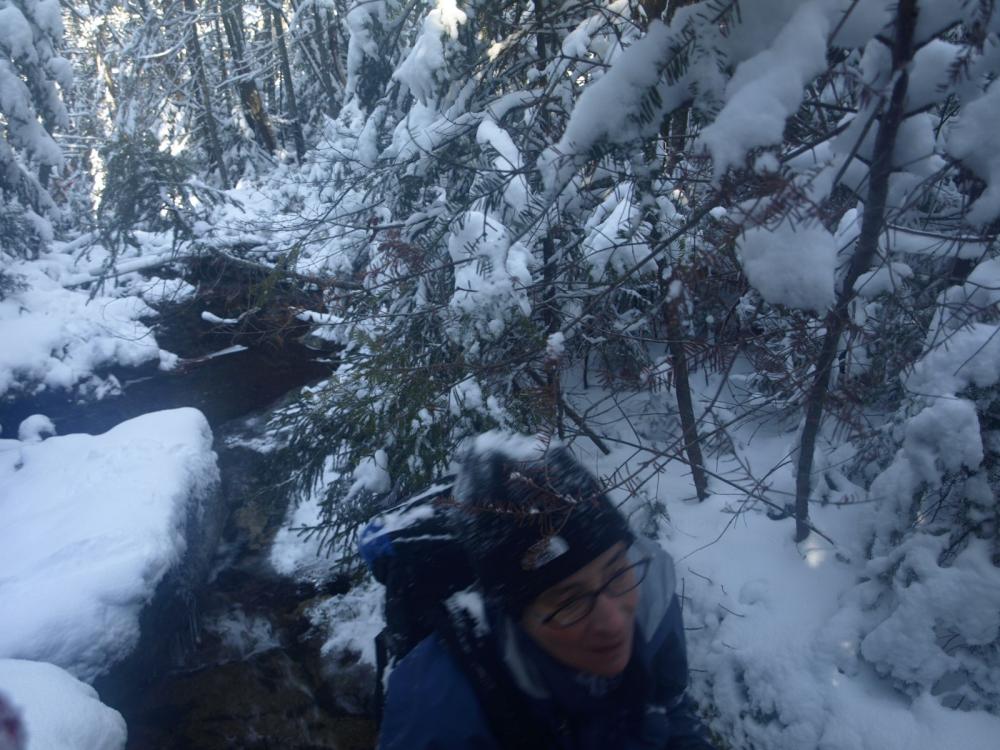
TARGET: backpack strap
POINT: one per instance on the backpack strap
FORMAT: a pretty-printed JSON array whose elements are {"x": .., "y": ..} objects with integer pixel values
[{"x": 460, "y": 622}]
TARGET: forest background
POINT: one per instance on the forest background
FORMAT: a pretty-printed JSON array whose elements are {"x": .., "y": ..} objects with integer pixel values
[{"x": 735, "y": 252}]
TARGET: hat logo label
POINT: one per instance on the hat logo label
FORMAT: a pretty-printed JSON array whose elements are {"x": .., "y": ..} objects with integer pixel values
[{"x": 545, "y": 552}]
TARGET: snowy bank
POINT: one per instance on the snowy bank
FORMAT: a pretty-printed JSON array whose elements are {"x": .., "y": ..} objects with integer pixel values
[
  {"x": 55, "y": 337},
  {"x": 89, "y": 525},
  {"x": 58, "y": 711},
  {"x": 773, "y": 653}
]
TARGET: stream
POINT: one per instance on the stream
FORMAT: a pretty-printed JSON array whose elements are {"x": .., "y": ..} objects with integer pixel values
[{"x": 233, "y": 662}]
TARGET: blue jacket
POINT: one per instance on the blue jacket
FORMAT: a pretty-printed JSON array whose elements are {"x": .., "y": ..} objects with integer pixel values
[{"x": 432, "y": 705}]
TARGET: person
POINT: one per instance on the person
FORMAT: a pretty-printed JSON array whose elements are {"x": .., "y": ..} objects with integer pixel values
[{"x": 573, "y": 635}]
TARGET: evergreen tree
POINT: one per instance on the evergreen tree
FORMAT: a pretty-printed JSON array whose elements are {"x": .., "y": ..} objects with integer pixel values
[{"x": 31, "y": 112}]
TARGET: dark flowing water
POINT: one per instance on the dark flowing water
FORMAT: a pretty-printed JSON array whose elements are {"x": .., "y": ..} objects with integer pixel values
[
  {"x": 249, "y": 673},
  {"x": 230, "y": 661}
]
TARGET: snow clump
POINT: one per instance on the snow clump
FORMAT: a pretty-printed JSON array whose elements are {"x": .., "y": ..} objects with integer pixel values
[
  {"x": 791, "y": 266},
  {"x": 491, "y": 273}
]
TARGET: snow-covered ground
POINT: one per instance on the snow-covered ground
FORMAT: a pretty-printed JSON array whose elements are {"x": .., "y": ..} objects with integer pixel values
[
  {"x": 777, "y": 661},
  {"x": 89, "y": 526},
  {"x": 772, "y": 625}
]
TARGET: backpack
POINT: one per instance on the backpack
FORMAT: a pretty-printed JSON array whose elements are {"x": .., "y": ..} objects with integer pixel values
[{"x": 413, "y": 551}]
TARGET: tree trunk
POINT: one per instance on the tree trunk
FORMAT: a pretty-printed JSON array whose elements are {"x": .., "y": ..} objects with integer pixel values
[
  {"x": 253, "y": 105},
  {"x": 325, "y": 58},
  {"x": 685, "y": 403},
  {"x": 339, "y": 73},
  {"x": 205, "y": 94},
  {"x": 872, "y": 221},
  {"x": 220, "y": 46},
  {"x": 289, "y": 87},
  {"x": 675, "y": 129},
  {"x": 550, "y": 271},
  {"x": 268, "y": 80},
  {"x": 655, "y": 9}
]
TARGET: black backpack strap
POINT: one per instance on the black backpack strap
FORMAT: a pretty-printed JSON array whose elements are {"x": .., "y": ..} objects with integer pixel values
[
  {"x": 381, "y": 664},
  {"x": 511, "y": 718}
]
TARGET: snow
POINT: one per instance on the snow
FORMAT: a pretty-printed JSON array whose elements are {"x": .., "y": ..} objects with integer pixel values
[
  {"x": 427, "y": 56},
  {"x": 491, "y": 272},
  {"x": 360, "y": 18},
  {"x": 766, "y": 90},
  {"x": 214, "y": 319},
  {"x": 555, "y": 345},
  {"x": 937, "y": 15},
  {"x": 157, "y": 290},
  {"x": 89, "y": 526},
  {"x": 884, "y": 280},
  {"x": 15, "y": 33},
  {"x": 931, "y": 73},
  {"x": 914, "y": 242},
  {"x": 470, "y": 603},
  {"x": 35, "y": 428},
  {"x": 784, "y": 649},
  {"x": 605, "y": 109},
  {"x": 351, "y": 621},
  {"x": 47, "y": 14},
  {"x": 970, "y": 356},
  {"x": 465, "y": 396},
  {"x": 777, "y": 631},
  {"x": 794, "y": 646},
  {"x": 12, "y": 732},
  {"x": 59, "y": 711},
  {"x": 792, "y": 266},
  {"x": 372, "y": 474},
  {"x": 509, "y": 163},
  {"x": 774, "y": 628},
  {"x": 945, "y": 435},
  {"x": 613, "y": 243},
  {"x": 243, "y": 635},
  {"x": 975, "y": 141},
  {"x": 905, "y": 644},
  {"x": 863, "y": 20},
  {"x": 57, "y": 338},
  {"x": 299, "y": 557}
]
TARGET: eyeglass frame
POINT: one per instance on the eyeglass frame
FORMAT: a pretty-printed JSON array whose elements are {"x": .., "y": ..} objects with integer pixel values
[{"x": 641, "y": 565}]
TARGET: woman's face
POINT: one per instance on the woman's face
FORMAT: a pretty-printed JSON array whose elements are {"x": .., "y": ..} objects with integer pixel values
[{"x": 600, "y": 643}]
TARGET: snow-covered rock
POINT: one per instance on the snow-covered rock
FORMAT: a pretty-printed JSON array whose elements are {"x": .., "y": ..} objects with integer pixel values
[
  {"x": 58, "y": 711},
  {"x": 89, "y": 526}
]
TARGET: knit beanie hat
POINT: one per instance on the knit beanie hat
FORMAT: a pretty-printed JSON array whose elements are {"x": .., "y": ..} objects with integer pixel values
[{"x": 529, "y": 515}]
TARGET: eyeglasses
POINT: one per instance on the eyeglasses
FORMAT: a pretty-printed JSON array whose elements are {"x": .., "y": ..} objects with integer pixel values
[{"x": 579, "y": 608}]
